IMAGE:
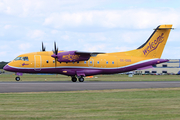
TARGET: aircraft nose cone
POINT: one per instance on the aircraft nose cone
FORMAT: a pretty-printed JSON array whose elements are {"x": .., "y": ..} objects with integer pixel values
[{"x": 7, "y": 68}]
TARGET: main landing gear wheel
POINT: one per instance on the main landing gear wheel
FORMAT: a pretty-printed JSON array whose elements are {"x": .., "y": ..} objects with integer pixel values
[
  {"x": 17, "y": 78},
  {"x": 81, "y": 79},
  {"x": 74, "y": 79}
]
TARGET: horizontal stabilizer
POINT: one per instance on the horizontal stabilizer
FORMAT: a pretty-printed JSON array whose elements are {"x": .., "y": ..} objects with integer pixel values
[{"x": 147, "y": 67}]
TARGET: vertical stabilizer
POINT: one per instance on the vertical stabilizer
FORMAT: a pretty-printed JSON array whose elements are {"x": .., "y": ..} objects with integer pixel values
[{"x": 154, "y": 46}]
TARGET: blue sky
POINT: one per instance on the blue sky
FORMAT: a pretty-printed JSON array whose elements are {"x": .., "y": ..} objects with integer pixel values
[{"x": 94, "y": 25}]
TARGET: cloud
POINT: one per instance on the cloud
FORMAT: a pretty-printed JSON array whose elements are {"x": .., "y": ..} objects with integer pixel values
[
  {"x": 128, "y": 18},
  {"x": 7, "y": 26},
  {"x": 96, "y": 25},
  {"x": 36, "y": 34},
  {"x": 123, "y": 48},
  {"x": 65, "y": 37},
  {"x": 54, "y": 31},
  {"x": 68, "y": 19},
  {"x": 91, "y": 48},
  {"x": 3, "y": 53},
  {"x": 24, "y": 46},
  {"x": 36, "y": 8},
  {"x": 3, "y": 47}
]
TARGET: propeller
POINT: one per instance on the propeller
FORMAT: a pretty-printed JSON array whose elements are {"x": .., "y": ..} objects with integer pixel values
[
  {"x": 55, "y": 51},
  {"x": 43, "y": 48}
]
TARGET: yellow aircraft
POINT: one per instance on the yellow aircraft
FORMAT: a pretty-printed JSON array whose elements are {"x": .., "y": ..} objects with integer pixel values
[{"x": 79, "y": 64}]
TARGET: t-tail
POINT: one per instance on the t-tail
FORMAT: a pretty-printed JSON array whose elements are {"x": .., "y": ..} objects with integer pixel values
[{"x": 154, "y": 46}]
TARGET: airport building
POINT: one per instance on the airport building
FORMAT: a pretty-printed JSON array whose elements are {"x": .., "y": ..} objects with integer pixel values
[{"x": 171, "y": 67}]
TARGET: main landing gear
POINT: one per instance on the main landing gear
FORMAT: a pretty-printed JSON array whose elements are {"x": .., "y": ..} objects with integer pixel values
[
  {"x": 80, "y": 78},
  {"x": 73, "y": 78}
]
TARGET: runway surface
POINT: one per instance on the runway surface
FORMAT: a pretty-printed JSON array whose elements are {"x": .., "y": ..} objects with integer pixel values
[{"x": 7, "y": 87}]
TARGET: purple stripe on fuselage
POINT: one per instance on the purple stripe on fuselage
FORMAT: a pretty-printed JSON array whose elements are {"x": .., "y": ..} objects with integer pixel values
[{"x": 72, "y": 71}]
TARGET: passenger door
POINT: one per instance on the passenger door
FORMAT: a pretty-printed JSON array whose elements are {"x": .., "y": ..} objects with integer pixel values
[{"x": 37, "y": 63}]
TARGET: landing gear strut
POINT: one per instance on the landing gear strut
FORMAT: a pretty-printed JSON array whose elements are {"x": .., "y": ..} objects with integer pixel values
[{"x": 17, "y": 78}]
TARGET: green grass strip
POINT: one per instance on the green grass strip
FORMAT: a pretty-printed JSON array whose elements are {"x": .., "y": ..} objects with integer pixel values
[{"x": 132, "y": 104}]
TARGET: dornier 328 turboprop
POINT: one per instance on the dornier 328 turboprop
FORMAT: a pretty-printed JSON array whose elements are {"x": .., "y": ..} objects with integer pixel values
[{"x": 79, "y": 64}]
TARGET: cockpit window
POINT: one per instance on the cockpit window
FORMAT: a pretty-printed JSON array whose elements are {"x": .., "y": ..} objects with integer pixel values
[
  {"x": 25, "y": 59},
  {"x": 22, "y": 58},
  {"x": 18, "y": 58}
]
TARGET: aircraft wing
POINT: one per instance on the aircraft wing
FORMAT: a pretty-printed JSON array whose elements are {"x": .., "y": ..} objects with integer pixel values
[
  {"x": 88, "y": 53},
  {"x": 74, "y": 56}
]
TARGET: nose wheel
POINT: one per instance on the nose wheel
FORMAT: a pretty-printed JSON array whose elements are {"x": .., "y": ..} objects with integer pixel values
[{"x": 17, "y": 78}]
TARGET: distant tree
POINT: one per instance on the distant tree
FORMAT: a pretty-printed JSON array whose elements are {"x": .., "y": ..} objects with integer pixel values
[{"x": 2, "y": 64}]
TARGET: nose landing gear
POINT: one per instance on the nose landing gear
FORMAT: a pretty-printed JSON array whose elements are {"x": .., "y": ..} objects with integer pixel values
[
  {"x": 18, "y": 74},
  {"x": 17, "y": 78}
]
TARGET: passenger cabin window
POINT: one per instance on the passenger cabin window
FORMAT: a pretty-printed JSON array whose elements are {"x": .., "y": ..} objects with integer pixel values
[
  {"x": 112, "y": 62},
  {"x": 97, "y": 62},
  {"x": 106, "y": 62},
  {"x": 47, "y": 61},
  {"x": 84, "y": 62}
]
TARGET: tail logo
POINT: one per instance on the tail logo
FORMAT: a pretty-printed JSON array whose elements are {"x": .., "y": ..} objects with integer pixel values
[{"x": 153, "y": 45}]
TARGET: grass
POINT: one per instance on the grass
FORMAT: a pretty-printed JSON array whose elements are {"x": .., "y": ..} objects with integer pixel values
[
  {"x": 134, "y": 104},
  {"x": 128, "y": 104},
  {"x": 117, "y": 77}
]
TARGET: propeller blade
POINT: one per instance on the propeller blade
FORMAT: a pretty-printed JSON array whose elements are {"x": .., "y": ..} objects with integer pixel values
[
  {"x": 55, "y": 51},
  {"x": 43, "y": 48}
]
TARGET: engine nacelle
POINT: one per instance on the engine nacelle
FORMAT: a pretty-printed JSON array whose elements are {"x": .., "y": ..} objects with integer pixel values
[{"x": 71, "y": 56}]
